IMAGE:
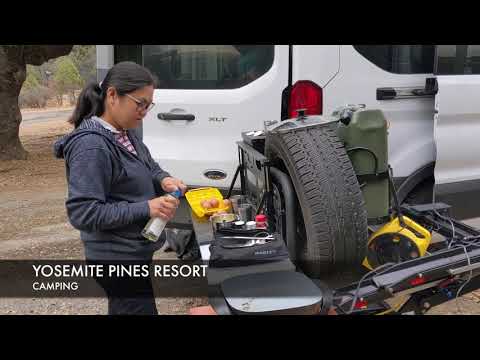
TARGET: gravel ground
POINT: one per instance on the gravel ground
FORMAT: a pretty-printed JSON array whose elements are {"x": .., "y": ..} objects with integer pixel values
[{"x": 34, "y": 225}]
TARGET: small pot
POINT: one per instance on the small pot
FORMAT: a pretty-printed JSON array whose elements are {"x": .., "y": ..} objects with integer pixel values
[{"x": 222, "y": 220}]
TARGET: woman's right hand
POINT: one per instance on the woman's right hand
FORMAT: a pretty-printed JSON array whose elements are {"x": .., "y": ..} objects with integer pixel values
[{"x": 163, "y": 207}]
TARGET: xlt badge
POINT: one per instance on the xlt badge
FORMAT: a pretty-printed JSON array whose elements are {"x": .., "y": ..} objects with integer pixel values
[{"x": 217, "y": 119}]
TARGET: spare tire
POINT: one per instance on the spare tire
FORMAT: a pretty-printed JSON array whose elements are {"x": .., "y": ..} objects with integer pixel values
[{"x": 330, "y": 203}]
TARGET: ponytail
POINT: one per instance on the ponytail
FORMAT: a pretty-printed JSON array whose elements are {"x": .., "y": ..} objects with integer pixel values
[{"x": 90, "y": 103}]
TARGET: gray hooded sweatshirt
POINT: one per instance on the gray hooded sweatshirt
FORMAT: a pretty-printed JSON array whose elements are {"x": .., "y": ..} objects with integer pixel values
[{"x": 108, "y": 192}]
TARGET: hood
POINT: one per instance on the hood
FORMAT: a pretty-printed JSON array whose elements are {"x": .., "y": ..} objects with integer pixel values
[{"x": 88, "y": 126}]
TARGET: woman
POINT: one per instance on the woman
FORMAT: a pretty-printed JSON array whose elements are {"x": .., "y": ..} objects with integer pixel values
[{"x": 113, "y": 182}]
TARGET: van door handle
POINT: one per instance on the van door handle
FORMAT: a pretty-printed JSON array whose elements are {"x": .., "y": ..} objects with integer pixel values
[
  {"x": 390, "y": 93},
  {"x": 171, "y": 116},
  {"x": 386, "y": 93},
  {"x": 424, "y": 92},
  {"x": 431, "y": 88}
]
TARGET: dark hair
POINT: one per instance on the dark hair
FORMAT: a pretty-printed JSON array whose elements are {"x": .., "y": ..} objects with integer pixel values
[{"x": 125, "y": 77}]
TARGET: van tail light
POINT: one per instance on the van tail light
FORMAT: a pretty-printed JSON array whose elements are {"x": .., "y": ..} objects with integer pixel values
[
  {"x": 307, "y": 95},
  {"x": 419, "y": 280},
  {"x": 361, "y": 304}
]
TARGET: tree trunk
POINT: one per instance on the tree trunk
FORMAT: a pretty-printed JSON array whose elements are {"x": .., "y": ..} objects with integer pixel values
[
  {"x": 13, "y": 60},
  {"x": 12, "y": 76},
  {"x": 73, "y": 98}
]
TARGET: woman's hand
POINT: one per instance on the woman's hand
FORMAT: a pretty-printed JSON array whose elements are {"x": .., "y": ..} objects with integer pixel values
[
  {"x": 171, "y": 184},
  {"x": 163, "y": 207}
]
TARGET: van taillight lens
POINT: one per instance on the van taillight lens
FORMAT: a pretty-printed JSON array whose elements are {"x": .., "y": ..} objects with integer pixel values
[{"x": 305, "y": 95}]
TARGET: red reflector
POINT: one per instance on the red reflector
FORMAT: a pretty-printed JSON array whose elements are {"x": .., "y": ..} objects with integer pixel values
[
  {"x": 417, "y": 281},
  {"x": 361, "y": 304},
  {"x": 305, "y": 95}
]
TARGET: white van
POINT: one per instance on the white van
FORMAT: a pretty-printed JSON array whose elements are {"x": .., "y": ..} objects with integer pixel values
[{"x": 209, "y": 94}]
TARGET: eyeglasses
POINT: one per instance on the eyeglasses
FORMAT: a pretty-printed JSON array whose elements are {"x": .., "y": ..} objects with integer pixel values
[{"x": 142, "y": 105}]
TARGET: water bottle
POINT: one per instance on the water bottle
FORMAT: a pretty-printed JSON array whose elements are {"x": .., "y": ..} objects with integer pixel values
[{"x": 155, "y": 226}]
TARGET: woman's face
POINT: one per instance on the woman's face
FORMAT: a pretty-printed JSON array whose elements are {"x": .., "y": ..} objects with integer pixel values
[{"x": 128, "y": 110}]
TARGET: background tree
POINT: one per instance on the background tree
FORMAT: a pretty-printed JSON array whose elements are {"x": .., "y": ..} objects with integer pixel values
[
  {"x": 84, "y": 58},
  {"x": 13, "y": 62},
  {"x": 66, "y": 78},
  {"x": 34, "y": 93},
  {"x": 33, "y": 78}
]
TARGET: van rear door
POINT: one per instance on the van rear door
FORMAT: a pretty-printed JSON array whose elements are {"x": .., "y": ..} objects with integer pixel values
[
  {"x": 208, "y": 95},
  {"x": 457, "y": 123}
]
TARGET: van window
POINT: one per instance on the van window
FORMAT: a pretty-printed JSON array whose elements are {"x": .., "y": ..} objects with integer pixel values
[
  {"x": 207, "y": 66},
  {"x": 458, "y": 59},
  {"x": 127, "y": 53},
  {"x": 400, "y": 59}
]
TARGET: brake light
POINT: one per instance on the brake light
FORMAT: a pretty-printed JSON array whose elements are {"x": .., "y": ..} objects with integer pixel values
[
  {"x": 419, "y": 280},
  {"x": 361, "y": 304},
  {"x": 307, "y": 95}
]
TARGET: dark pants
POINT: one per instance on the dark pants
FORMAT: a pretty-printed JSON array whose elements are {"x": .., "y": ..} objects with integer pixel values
[{"x": 128, "y": 295}]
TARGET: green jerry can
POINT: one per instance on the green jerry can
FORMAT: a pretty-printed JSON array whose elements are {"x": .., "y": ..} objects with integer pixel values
[{"x": 365, "y": 136}]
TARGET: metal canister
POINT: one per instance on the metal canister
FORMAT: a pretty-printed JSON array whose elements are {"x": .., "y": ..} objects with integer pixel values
[
  {"x": 365, "y": 136},
  {"x": 222, "y": 221},
  {"x": 239, "y": 224},
  {"x": 251, "y": 225}
]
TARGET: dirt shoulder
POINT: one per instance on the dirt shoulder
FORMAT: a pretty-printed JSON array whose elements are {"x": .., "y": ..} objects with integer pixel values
[{"x": 47, "y": 109}]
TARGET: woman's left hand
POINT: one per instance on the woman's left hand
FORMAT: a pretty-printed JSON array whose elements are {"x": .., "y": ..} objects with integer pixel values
[{"x": 170, "y": 184}]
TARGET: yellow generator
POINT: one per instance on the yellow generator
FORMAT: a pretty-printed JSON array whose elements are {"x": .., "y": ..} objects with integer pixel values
[{"x": 400, "y": 240}]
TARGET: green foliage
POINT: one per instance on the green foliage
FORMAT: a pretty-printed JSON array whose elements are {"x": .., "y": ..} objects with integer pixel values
[
  {"x": 33, "y": 78},
  {"x": 84, "y": 57},
  {"x": 58, "y": 77},
  {"x": 35, "y": 72},
  {"x": 81, "y": 53},
  {"x": 66, "y": 78}
]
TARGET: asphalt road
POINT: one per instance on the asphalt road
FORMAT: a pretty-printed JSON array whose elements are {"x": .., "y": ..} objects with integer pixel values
[{"x": 43, "y": 116}]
